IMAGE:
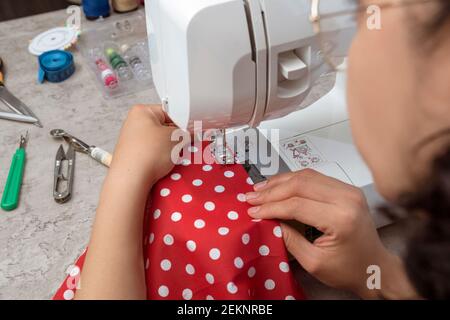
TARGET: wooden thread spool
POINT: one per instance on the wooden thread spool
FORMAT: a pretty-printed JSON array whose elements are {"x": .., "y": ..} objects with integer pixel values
[
  {"x": 1, "y": 72},
  {"x": 125, "y": 5}
]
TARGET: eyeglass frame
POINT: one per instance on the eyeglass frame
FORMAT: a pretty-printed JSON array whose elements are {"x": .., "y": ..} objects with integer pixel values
[{"x": 315, "y": 18}]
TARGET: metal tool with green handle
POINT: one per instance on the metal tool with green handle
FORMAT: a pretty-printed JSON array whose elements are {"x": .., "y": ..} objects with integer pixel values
[{"x": 10, "y": 198}]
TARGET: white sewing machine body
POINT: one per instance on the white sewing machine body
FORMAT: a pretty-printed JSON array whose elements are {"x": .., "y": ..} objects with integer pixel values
[
  {"x": 257, "y": 63},
  {"x": 232, "y": 62}
]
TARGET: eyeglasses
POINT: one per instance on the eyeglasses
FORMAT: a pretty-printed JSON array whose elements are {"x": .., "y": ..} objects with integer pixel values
[{"x": 335, "y": 25}]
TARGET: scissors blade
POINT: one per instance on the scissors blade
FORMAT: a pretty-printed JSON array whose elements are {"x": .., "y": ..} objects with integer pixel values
[
  {"x": 17, "y": 117},
  {"x": 16, "y": 105}
]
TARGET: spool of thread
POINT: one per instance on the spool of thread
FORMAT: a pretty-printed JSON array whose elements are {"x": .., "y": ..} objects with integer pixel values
[
  {"x": 94, "y": 9},
  {"x": 115, "y": 59},
  {"x": 122, "y": 6},
  {"x": 119, "y": 64},
  {"x": 108, "y": 76}
]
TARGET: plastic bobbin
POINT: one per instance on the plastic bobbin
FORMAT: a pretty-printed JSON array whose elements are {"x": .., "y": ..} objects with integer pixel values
[{"x": 55, "y": 66}]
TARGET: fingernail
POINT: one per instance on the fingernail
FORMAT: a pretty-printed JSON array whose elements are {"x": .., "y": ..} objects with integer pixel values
[
  {"x": 251, "y": 195},
  {"x": 260, "y": 185},
  {"x": 253, "y": 210}
]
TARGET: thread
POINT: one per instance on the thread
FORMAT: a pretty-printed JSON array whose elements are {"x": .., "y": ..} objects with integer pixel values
[
  {"x": 132, "y": 56},
  {"x": 94, "y": 9},
  {"x": 108, "y": 76},
  {"x": 118, "y": 63},
  {"x": 122, "y": 6}
]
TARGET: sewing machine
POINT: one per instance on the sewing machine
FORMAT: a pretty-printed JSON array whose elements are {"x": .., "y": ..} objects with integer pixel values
[{"x": 260, "y": 63}]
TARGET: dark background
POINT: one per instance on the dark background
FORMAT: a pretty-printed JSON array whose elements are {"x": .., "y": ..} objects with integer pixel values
[{"x": 12, "y": 9}]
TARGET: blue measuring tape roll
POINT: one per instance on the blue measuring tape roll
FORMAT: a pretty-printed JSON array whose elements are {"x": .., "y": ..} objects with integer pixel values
[
  {"x": 55, "y": 66},
  {"x": 94, "y": 9}
]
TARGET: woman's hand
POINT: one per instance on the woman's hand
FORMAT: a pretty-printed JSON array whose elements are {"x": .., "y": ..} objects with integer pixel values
[
  {"x": 144, "y": 147},
  {"x": 114, "y": 265},
  {"x": 349, "y": 244}
]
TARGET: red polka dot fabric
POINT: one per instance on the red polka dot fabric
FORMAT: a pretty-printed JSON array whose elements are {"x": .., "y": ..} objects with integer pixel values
[{"x": 200, "y": 243}]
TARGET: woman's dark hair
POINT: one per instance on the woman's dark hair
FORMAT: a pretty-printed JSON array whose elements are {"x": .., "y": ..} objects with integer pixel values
[
  {"x": 428, "y": 257},
  {"x": 441, "y": 19},
  {"x": 427, "y": 260}
]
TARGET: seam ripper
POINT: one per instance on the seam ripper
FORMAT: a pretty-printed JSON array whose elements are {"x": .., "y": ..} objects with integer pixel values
[{"x": 11, "y": 193}]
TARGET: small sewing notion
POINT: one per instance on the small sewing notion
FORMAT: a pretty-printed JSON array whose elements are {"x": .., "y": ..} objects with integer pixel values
[
  {"x": 94, "y": 152},
  {"x": 11, "y": 194},
  {"x": 55, "y": 66},
  {"x": 64, "y": 173},
  {"x": 61, "y": 38}
]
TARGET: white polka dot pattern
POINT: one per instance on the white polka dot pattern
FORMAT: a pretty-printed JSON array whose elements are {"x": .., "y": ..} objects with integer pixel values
[
  {"x": 166, "y": 265},
  {"x": 191, "y": 245},
  {"x": 223, "y": 231},
  {"x": 163, "y": 291},
  {"x": 69, "y": 294},
  {"x": 264, "y": 250},
  {"x": 229, "y": 174},
  {"x": 232, "y": 288},
  {"x": 199, "y": 223},
  {"x": 251, "y": 272},
  {"x": 209, "y": 205},
  {"x": 209, "y": 278},
  {"x": 156, "y": 214},
  {"x": 168, "y": 239},
  {"x": 269, "y": 284},
  {"x": 214, "y": 254},
  {"x": 190, "y": 269},
  {"x": 277, "y": 232},
  {"x": 187, "y": 294},
  {"x": 176, "y": 216},
  {"x": 233, "y": 215},
  {"x": 164, "y": 192},
  {"x": 186, "y": 198},
  {"x": 238, "y": 263},
  {"x": 200, "y": 243},
  {"x": 284, "y": 266},
  {"x": 245, "y": 238}
]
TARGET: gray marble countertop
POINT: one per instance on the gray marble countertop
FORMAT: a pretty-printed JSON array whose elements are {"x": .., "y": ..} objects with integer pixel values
[{"x": 41, "y": 239}]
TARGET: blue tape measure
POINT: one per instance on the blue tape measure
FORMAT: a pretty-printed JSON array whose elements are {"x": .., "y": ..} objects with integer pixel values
[{"x": 55, "y": 66}]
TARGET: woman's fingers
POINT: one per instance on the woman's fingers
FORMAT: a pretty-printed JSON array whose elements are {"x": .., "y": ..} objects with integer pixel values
[
  {"x": 157, "y": 111},
  {"x": 306, "y": 184},
  {"x": 273, "y": 181},
  {"x": 310, "y": 212},
  {"x": 302, "y": 250},
  {"x": 310, "y": 186}
]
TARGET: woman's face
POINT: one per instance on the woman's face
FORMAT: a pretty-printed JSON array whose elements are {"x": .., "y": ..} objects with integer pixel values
[{"x": 397, "y": 88}]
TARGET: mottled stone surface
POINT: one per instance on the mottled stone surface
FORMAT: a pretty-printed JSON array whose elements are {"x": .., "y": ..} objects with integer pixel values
[{"x": 40, "y": 239}]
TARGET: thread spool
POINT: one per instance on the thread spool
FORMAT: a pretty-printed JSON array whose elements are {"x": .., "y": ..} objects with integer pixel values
[
  {"x": 94, "y": 9},
  {"x": 122, "y": 6},
  {"x": 118, "y": 63},
  {"x": 108, "y": 76}
]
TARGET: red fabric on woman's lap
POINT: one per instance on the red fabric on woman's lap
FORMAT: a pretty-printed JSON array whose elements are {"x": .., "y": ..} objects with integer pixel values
[{"x": 199, "y": 242}]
